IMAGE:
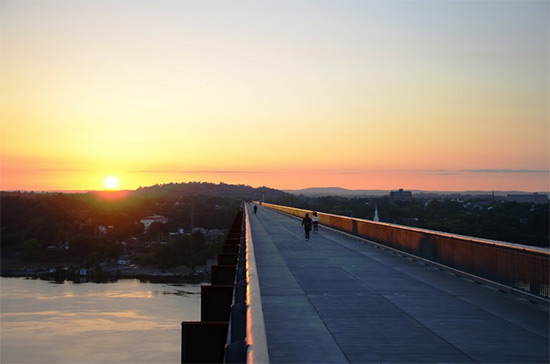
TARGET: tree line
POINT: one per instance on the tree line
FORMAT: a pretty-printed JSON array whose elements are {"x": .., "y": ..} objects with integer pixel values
[
  {"x": 88, "y": 228},
  {"x": 521, "y": 223}
]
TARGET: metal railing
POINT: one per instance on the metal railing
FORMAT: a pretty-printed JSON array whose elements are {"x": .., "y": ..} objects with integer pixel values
[
  {"x": 246, "y": 339},
  {"x": 255, "y": 327},
  {"x": 520, "y": 267},
  {"x": 235, "y": 348}
]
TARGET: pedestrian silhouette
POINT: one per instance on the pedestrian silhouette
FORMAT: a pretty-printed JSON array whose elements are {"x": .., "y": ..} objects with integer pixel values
[
  {"x": 306, "y": 223},
  {"x": 315, "y": 221},
  {"x": 255, "y": 208}
]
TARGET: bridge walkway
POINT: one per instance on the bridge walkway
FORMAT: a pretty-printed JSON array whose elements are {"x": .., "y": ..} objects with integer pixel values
[{"x": 336, "y": 299}]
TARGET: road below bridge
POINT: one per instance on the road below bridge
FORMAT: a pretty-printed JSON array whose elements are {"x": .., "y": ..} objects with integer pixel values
[{"x": 337, "y": 299}]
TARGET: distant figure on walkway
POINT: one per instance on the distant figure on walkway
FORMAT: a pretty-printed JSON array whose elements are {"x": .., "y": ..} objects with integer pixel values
[
  {"x": 315, "y": 223},
  {"x": 255, "y": 208},
  {"x": 306, "y": 223}
]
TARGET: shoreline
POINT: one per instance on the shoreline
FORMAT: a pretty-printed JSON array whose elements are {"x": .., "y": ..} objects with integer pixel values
[{"x": 107, "y": 277}]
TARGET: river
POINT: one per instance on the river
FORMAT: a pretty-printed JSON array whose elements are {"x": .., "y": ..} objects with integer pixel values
[{"x": 123, "y": 322}]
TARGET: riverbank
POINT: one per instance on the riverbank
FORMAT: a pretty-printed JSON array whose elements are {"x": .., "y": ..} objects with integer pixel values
[{"x": 106, "y": 274}]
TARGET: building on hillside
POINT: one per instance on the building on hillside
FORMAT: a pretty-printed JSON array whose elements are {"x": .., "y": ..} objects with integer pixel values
[
  {"x": 210, "y": 234},
  {"x": 147, "y": 221},
  {"x": 102, "y": 230},
  {"x": 529, "y": 198},
  {"x": 400, "y": 196}
]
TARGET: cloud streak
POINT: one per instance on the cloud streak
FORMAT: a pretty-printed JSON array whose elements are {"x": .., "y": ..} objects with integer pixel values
[
  {"x": 448, "y": 172},
  {"x": 510, "y": 171},
  {"x": 176, "y": 171},
  {"x": 454, "y": 172}
]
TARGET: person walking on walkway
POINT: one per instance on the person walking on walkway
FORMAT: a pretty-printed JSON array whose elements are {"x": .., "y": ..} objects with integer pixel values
[
  {"x": 315, "y": 221},
  {"x": 255, "y": 208},
  {"x": 306, "y": 223}
]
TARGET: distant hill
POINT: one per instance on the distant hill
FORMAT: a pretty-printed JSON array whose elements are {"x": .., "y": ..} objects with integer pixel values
[
  {"x": 208, "y": 189},
  {"x": 336, "y": 191},
  {"x": 342, "y": 192},
  {"x": 249, "y": 193}
]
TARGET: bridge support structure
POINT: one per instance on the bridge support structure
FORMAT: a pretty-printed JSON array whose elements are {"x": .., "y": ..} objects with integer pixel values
[
  {"x": 204, "y": 341},
  {"x": 231, "y": 329}
]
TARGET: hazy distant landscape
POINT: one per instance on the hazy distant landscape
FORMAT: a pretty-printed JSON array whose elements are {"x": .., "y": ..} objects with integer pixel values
[
  {"x": 337, "y": 191},
  {"x": 57, "y": 235}
]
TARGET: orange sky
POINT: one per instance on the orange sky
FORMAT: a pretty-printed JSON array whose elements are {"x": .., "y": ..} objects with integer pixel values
[{"x": 446, "y": 95}]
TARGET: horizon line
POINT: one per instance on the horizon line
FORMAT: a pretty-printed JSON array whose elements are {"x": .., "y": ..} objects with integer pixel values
[{"x": 75, "y": 191}]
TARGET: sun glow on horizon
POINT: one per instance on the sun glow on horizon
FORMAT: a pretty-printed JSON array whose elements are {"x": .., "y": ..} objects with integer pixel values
[{"x": 111, "y": 182}]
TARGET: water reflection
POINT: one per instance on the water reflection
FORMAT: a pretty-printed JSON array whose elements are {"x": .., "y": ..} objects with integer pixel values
[
  {"x": 122, "y": 322},
  {"x": 180, "y": 293}
]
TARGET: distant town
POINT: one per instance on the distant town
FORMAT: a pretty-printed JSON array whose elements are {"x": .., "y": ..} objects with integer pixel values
[
  {"x": 510, "y": 196},
  {"x": 516, "y": 217}
]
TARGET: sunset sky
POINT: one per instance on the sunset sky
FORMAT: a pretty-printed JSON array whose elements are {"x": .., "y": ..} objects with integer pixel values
[{"x": 432, "y": 95}]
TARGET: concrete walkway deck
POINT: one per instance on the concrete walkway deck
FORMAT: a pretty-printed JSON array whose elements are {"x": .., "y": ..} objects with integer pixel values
[{"x": 335, "y": 299}]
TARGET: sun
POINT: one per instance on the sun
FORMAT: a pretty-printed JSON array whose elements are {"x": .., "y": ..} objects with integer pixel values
[{"x": 111, "y": 182}]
